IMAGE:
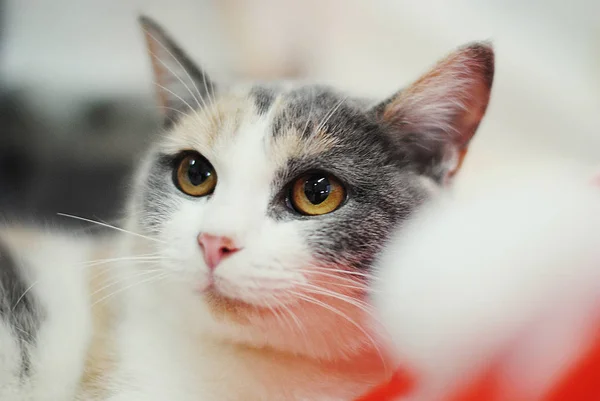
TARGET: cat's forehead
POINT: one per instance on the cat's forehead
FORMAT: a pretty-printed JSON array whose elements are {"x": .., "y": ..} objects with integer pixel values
[{"x": 288, "y": 121}]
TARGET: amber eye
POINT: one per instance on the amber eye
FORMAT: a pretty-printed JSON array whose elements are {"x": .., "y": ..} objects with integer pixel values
[
  {"x": 195, "y": 175},
  {"x": 316, "y": 193}
]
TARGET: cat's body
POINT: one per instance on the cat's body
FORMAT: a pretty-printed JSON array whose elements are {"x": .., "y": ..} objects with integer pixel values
[
  {"x": 252, "y": 226},
  {"x": 46, "y": 323}
]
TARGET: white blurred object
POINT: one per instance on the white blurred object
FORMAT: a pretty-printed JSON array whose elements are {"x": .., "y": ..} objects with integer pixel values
[{"x": 510, "y": 274}]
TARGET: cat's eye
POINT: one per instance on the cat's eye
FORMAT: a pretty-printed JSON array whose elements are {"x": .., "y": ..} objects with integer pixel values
[
  {"x": 316, "y": 193},
  {"x": 194, "y": 175}
]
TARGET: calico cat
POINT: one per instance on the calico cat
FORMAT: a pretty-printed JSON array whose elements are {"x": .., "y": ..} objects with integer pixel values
[{"x": 242, "y": 271}]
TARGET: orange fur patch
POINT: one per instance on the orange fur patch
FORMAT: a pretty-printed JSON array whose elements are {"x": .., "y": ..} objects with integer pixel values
[{"x": 100, "y": 360}]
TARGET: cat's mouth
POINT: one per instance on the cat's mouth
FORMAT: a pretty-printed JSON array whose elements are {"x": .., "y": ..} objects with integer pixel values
[{"x": 242, "y": 303}]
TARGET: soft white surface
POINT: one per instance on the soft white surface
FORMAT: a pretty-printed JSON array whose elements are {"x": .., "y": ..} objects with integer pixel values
[{"x": 511, "y": 271}]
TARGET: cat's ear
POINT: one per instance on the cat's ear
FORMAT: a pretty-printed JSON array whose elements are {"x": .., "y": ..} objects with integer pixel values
[
  {"x": 433, "y": 120},
  {"x": 181, "y": 86}
]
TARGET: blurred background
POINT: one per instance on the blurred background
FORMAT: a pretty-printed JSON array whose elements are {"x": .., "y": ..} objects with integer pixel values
[{"x": 76, "y": 95}]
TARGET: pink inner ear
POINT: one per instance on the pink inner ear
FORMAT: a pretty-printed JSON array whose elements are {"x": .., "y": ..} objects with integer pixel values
[
  {"x": 596, "y": 180},
  {"x": 450, "y": 100}
]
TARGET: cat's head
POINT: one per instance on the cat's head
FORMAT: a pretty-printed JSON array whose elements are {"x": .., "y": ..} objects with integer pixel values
[{"x": 270, "y": 202}]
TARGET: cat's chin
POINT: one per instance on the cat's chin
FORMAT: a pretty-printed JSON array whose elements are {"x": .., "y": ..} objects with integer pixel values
[
  {"x": 258, "y": 326},
  {"x": 224, "y": 306}
]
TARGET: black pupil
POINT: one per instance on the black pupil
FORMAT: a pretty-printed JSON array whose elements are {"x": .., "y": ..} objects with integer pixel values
[
  {"x": 317, "y": 188},
  {"x": 198, "y": 171}
]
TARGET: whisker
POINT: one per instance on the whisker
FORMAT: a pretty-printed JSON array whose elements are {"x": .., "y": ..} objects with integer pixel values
[
  {"x": 351, "y": 280},
  {"x": 122, "y": 279},
  {"x": 185, "y": 70},
  {"x": 292, "y": 315},
  {"x": 212, "y": 98},
  {"x": 86, "y": 264},
  {"x": 87, "y": 228},
  {"x": 199, "y": 124},
  {"x": 104, "y": 269},
  {"x": 331, "y": 113},
  {"x": 208, "y": 93},
  {"x": 109, "y": 226},
  {"x": 363, "y": 306},
  {"x": 321, "y": 270},
  {"x": 363, "y": 288},
  {"x": 198, "y": 121},
  {"x": 312, "y": 104},
  {"x": 24, "y": 333},
  {"x": 23, "y": 295},
  {"x": 175, "y": 74},
  {"x": 276, "y": 312},
  {"x": 124, "y": 258},
  {"x": 343, "y": 315},
  {"x": 175, "y": 110},
  {"x": 180, "y": 98},
  {"x": 157, "y": 277}
]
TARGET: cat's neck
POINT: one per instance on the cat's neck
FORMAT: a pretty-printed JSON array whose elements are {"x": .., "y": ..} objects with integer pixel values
[
  {"x": 284, "y": 373},
  {"x": 368, "y": 360},
  {"x": 367, "y": 363}
]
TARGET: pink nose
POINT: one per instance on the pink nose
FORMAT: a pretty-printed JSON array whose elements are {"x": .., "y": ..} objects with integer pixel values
[{"x": 216, "y": 248}]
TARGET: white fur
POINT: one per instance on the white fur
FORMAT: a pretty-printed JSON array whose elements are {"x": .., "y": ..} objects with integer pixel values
[
  {"x": 510, "y": 271},
  {"x": 56, "y": 266}
]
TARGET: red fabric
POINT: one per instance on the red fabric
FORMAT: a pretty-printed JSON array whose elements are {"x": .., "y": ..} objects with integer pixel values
[
  {"x": 400, "y": 384},
  {"x": 580, "y": 383},
  {"x": 485, "y": 388}
]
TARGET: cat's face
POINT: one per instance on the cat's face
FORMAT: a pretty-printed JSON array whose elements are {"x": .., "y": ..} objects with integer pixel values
[{"x": 271, "y": 202}]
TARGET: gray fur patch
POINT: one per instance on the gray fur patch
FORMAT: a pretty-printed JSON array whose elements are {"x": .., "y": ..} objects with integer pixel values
[
  {"x": 263, "y": 99},
  {"x": 383, "y": 189},
  {"x": 18, "y": 306},
  {"x": 158, "y": 196}
]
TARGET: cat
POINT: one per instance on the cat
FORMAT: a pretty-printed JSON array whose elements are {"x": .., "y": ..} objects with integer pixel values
[
  {"x": 513, "y": 282},
  {"x": 243, "y": 268}
]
